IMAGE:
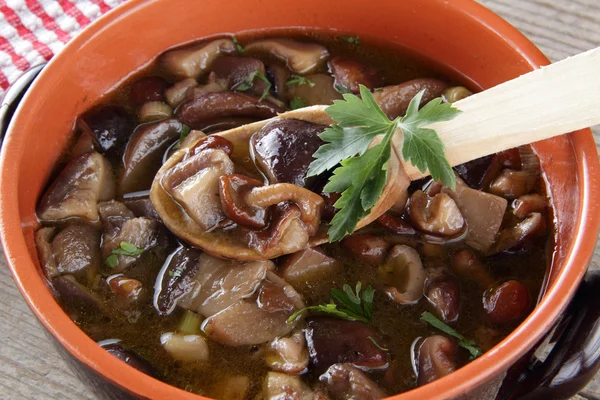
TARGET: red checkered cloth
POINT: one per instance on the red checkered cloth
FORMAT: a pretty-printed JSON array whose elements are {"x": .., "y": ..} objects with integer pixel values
[{"x": 32, "y": 31}]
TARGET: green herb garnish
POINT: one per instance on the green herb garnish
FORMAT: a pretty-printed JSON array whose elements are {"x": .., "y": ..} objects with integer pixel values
[
  {"x": 296, "y": 103},
  {"x": 124, "y": 249},
  {"x": 351, "y": 39},
  {"x": 249, "y": 81},
  {"x": 342, "y": 89},
  {"x": 237, "y": 44},
  {"x": 376, "y": 344},
  {"x": 299, "y": 80},
  {"x": 353, "y": 306},
  {"x": 185, "y": 130},
  {"x": 462, "y": 341},
  {"x": 363, "y": 171}
]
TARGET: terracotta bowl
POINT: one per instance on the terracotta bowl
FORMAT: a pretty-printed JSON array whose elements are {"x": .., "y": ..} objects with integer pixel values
[{"x": 467, "y": 41}]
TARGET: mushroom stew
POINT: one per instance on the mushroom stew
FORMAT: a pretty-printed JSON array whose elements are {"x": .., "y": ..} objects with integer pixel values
[{"x": 198, "y": 258}]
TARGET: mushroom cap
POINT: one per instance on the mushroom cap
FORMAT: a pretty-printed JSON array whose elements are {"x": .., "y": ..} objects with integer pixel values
[{"x": 223, "y": 244}]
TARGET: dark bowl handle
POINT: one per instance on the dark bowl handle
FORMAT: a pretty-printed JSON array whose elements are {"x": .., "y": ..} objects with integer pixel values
[
  {"x": 13, "y": 96},
  {"x": 575, "y": 358}
]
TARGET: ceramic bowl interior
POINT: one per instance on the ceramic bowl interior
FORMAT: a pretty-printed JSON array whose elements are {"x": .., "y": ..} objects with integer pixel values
[{"x": 467, "y": 42}]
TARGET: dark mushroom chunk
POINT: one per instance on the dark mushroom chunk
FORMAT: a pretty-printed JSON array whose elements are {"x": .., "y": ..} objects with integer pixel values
[
  {"x": 43, "y": 243},
  {"x": 176, "y": 279},
  {"x": 233, "y": 190},
  {"x": 528, "y": 204},
  {"x": 278, "y": 76},
  {"x": 127, "y": 288},
  {"x": 83, "y": 144},
  {"x": 346, "y": 382},
  {"x": 308, "y": 266},
  {"x": 506, "y": 303},
  {"x": 76, "y": 296},
  {"x": 479, "y": 173},
  {"x": 396, "y": 225},
  {"x": 144, "y": 152},
  {"x": 142, "y": 233},
  {"x": 300, "y": 57},
  {"x": 112, "y": 209},
  {"x": 288, "y": 354},
  {"x": 176, "y": 94},
  {"x": 235, "y": 70},
  {"x": 194, "y": 61},
  {"x": 76, "y": 192},
  {"x": 199, "y": 174},
  {"x": 513, "y": 238},
  {"x": 283, "y": 150},
  {"x": 150, "y": 88},
  {"x": 367, "y": 248},
  {"x": 436, "y": 359},
  {"x": 76, "y": 250},
  {"x": 257, "y": 319},
  {"x": 283, "y": 386},
  {"x": 141, "y": 207},
  {"x": 321, "y": 91},
  {"x": 109, "y": 127},
  {"x": 403, "y": 274},
  {"x": 129, "y": 357},
  {"x": 438, "y": 215},
  {"x": 468, "y": 266},
  {"x": 442, "y": 290},
  {"x": 483, "y": 214},
  {"x": 394, "y": 100},
  {"x": 331, "y": 341},
  {"x": 349, "y": 74},
  {"x": 203, "y": 110},
  {"x": 511, "y": 184}
]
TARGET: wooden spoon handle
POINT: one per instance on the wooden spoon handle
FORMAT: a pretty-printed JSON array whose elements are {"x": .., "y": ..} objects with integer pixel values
[{"x": 556, "y": 99}]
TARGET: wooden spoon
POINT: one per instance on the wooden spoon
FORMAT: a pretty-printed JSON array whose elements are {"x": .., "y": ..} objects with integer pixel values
[{"x": 554, "y": 100}]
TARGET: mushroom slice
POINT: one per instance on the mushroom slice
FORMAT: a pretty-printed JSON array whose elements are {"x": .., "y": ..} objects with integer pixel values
[
  {"x": 84, "y": 182},
  {"x": 394, "y": 100},
  {"x": 235, "y": 70},
  {"x": 346, "y": 382},
  {"x": 322, "y": 91},
  {"x": 140, "y": 232},
  {"x": 280, "y": 386},
  {"x": 77, "y": 297},
  {"x": 243, "y": 198},
  {"x": 442, "y": 290},
  {"x": 202, "y": 111},
  {"x": 438, "y": 215},
  {"x": 511, "y": 237},
  {"x": 403, "y": 274},
  {"x": 185, "y": 347},
  {"x": 113, "y": 209},
  {"x": 529, "y": 203},
  {"x": 257, "y": 319},
  {"x": 283, "y": 150},
  {"x": 367, "y": 248},
  {"x": 308, "y": 266},
  {"x": 76, "y": 250},
  {"x": 129, "y": 357},
  {"x": 108, "y": 126},
  {"x": 194, "y": 61},
  {"x": 194, "y": 184},
  {"x": 436, "y": 359},
  {"x": 43, "y": 240},
  {"x": 483, "y": 213},
  {"x": 300, "y": 57},
  {"x": 287, "y": 354},
  {"x": 144, "y": 152},
  {"x": 220, "y": 283},
  {"x": 349, "y": 74}
]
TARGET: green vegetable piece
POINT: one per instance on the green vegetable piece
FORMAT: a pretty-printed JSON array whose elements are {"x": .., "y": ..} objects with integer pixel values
[
  {"x": 462, "y": 341},
  {"x": 363, "y": 171},
  {"x": 237, "y": 44},
  {"x": 297, "y": 103},
  {"x": 190, "y": 323},
  {"x": 249, "y": 81},
  {"x": 342, "y": 89},
  {"x": 352, "y": 306},
  {"x": 351, "y": 39},
  {"x": 299, "y": 80},
  {"x": 376, "y": 344},
  {"x": 112, "y": 261}
]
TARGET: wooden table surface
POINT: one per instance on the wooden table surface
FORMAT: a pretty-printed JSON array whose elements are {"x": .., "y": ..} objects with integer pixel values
[{"x": 30, "y": 368}]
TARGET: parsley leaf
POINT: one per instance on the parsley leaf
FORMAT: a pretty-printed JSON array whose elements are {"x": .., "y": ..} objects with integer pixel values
[
  {"x": 249, "y": 81},
  {"x": 237, "y": 44},
  {"x": 299, "y": 80},
  {"x": 351, "y": 39},
  {"x": 462, "y": 341},
  {"x": 297, "y": 103},
  {"x": 353, "y": 305},
  {"x": 124, "y": 249},
  {"x": 185, "y": 131},
  {"x": 362, "y": 173}
]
